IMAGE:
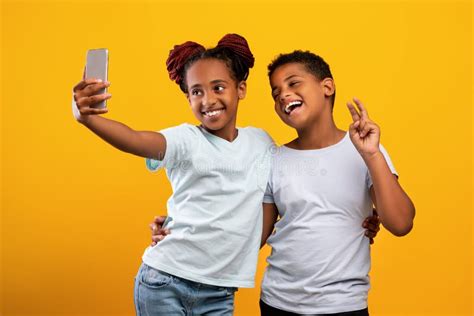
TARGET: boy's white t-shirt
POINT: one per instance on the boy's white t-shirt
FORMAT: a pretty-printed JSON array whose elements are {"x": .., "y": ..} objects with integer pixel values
[
  {"x": 216, "y": 205},
  {"x": 320, "y": 257}
]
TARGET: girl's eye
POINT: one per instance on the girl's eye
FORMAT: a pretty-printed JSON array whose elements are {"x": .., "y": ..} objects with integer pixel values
[
  {"x": 293, "y": 83},
  {"x": 219, "y": 88},
  {"x": 196, "y": 92}
]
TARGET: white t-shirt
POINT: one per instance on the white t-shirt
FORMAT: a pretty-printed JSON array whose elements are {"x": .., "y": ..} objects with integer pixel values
[
  {"x": 216, "y": 205},
  {"x": 320, "y": 256}
]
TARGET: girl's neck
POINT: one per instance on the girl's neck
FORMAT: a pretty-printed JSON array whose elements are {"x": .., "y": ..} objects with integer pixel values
[
  {"x": 228, "y": 132},
  {"x": 319, "y": 134}
]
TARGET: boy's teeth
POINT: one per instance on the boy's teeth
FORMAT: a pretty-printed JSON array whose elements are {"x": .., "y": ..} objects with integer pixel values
[{"x": 289, "y": 105}]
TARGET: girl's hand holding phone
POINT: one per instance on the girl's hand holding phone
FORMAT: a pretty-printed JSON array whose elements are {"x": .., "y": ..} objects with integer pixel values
[{"x": 86, "y": 98}]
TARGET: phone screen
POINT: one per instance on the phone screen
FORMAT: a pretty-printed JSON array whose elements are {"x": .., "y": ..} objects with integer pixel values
[{"x": 96, "y": 67}]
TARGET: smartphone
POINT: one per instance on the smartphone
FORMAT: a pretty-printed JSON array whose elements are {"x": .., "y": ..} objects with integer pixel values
[{"x": 97, "y": 67}]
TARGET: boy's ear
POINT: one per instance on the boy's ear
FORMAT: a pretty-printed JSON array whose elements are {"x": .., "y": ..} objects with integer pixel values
[
  {"x": 328, "y": 86},
  {"x": 242, "y": 90}
]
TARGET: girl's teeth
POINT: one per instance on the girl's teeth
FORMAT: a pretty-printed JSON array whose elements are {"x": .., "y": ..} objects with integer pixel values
[{"x": 213, "y": 113}]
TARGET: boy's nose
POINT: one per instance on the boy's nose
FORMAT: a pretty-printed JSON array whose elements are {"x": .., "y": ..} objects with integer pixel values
[{"x": 284, "y": 96}]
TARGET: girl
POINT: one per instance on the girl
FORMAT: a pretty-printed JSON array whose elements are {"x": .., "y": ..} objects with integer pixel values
[{"x": 218, "y": 173}]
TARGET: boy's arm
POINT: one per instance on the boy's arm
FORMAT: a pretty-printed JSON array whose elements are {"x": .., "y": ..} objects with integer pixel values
[
  {"x": 395, "y": 208},
  {"x": 270, "y": 215},
  {"x": 140, "y": 143}
]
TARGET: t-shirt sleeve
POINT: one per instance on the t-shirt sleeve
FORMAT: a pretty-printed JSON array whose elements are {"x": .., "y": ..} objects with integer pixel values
[
  {"x": 389, "y": 163},
  {"x": 268, "y": 196},
  {"x": 179, "y": 142}
]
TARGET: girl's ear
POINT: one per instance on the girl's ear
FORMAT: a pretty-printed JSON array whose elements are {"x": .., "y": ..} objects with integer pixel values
[
  {"x": 328, "y": 86},
  {"x": 186, "y": 94},
  {"x": 242, "y": 89}
]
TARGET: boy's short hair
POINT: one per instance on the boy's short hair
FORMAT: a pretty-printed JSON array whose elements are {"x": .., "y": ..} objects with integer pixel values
[{"x": 314, "y": 64}]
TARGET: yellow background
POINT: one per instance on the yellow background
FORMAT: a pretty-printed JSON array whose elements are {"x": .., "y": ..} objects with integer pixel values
[{"x": 75, "y": 211}]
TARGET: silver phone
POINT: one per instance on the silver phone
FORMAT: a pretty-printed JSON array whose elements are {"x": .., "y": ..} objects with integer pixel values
[{"x": 97, "y": 67}]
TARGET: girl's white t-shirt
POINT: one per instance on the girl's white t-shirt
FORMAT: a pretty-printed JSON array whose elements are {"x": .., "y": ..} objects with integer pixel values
[{"x": 216, "y": 205}]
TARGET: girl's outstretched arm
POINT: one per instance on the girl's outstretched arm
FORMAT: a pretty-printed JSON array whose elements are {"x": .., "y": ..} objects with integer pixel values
[
  {"x": 394, "y": 207},
  {"x": 141, "y": 143}
]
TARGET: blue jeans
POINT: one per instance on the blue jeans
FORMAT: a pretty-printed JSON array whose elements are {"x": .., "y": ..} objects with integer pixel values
[{"x": 158, "y": 293}]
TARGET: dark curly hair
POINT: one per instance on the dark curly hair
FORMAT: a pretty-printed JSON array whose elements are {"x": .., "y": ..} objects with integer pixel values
[{"x": 232, "y": 49}]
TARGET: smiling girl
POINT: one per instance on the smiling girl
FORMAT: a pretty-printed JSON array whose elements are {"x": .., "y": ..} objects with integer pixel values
[{"x": 218, "y": 173}]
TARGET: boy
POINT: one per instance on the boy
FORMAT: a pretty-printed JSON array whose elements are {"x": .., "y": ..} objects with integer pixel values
[{"x": 320, "y": 259}]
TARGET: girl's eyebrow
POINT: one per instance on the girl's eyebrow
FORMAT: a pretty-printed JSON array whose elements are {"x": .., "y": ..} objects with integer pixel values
[
  {"x": 198, "y": 85},
  {"x": 218, "y": 81}
]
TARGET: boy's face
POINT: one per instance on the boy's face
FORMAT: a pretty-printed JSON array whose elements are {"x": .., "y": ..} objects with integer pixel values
[
  {"x": 300, "y": 98},
  {"x": 213, "y": 94}
]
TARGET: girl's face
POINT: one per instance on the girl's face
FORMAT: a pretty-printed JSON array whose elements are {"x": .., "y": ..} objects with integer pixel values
[
  {"x": 300, "y": 98},
  {"x": 214, "y": 95}
]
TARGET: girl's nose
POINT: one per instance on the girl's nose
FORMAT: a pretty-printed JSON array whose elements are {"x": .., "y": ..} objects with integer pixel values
[{"x": 209, "y": 100}]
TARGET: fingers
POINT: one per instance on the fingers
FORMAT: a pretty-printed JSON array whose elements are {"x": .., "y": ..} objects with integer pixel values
[
  {"x": 367, "y": 127},
  {"x": 355, "y": 115},
  {"x": 157, "y": 232},
  {"x": 89, "y": 89},
  {"x": 156, "y": 227},
  {"x": 374, "y": 213},
  {"x": 86, "y": 104},
  {"x": 158, "y": 235},
  {"x": 84, "y": 83},
  {"x": 94, "y": 88},
  {"x": 360, "y": 114},
  {"x": 372, "y": 228},
  {"x": 353, "y": 129},
  {"x": 370, "y": 234},
  {"x": 159, "y": 219},
  {"x": 92, "y": 111},
  {"x": 362, "y": 110}
]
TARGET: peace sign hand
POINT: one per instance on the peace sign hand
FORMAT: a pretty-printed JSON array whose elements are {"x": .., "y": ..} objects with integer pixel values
[{"x": 364, "y": 133}]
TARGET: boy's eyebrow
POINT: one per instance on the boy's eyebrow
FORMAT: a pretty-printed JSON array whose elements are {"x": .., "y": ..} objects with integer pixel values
[
  {"x": 290, "y": 77},
  {"x": 286, "y": 79}
]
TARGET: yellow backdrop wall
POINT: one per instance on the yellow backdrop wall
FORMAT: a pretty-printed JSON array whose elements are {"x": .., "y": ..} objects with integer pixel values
[{"x": 75, "y": 210}]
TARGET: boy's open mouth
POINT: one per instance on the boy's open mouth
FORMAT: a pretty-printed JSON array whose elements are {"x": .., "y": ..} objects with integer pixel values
[
  {"x": 214, "y": 112},
  {"x": 291, "y": 106}
]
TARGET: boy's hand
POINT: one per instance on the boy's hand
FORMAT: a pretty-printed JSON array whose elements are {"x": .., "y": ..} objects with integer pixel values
[
  {"x": 85, "y": 98},
  {"x": 157, "y": 232},
  {"x": 364, "y": 133},
  {"x": 372, "y": 226}
]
